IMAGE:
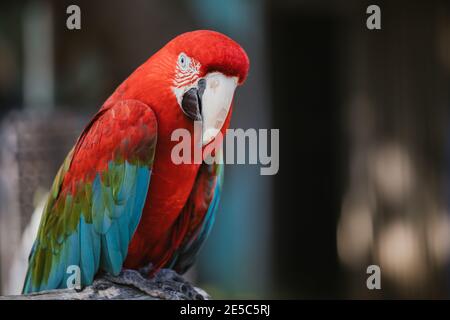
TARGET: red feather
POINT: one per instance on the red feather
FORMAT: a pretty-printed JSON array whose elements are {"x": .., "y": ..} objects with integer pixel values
[{"x": 162, "y": 226}]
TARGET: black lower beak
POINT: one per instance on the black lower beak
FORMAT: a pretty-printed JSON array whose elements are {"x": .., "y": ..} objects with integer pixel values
[{"x": 191, "y": 103}]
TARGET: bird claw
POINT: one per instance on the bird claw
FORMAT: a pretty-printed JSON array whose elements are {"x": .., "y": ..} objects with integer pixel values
[
  {"x": 166, "y": 284},
  {"x": 171, "y": 280},
  {"x": 145, "y": 271}
]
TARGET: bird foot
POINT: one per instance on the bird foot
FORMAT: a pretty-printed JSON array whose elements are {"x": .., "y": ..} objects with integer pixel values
[{"x": 166, "y": 284}]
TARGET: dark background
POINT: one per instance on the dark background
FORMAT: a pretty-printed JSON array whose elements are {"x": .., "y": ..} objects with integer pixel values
[{"x": 363, "y": 119}]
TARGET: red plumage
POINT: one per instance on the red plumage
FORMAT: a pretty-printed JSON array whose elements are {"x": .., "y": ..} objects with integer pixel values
[{"x": 163, "y": 226}]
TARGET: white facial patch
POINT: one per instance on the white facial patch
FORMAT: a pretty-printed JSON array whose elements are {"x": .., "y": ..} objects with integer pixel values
[
  {"x": 216, "y": 103},
  {"x": 186, "y": 75}
]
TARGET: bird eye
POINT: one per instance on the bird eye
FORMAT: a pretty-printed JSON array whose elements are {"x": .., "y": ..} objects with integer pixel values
[{"x": 183, "y": 61}]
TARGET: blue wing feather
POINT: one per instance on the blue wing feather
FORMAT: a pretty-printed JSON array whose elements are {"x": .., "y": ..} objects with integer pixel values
[
  {"x": 185, "y": 256},
  {"x": 115, "y": 201}
]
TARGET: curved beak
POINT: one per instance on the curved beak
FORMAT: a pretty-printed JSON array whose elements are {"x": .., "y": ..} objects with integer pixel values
[
  {"x": 210, "y": 102},
  {"x": 191, "y": 104}
]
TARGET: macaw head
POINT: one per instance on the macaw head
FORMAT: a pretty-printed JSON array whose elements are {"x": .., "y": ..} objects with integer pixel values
[
  {"x": 198, "y": 72},
  {"x": 208, "y": 68}
]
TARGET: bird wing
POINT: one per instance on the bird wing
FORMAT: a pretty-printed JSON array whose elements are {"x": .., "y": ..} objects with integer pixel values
[
  {"x": 198, "y": 216},
  {"x": 97, "y": 198}
]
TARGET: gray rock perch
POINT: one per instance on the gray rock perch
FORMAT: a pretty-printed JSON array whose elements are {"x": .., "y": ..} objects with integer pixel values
[{"x": 129, "y": 284}]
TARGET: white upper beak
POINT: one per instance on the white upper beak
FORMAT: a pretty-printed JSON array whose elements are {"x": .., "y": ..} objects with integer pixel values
[{"x": 216, "y": 103}]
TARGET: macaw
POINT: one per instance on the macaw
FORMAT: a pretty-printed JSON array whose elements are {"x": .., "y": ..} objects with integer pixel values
[{"x": 118, "y": 200}]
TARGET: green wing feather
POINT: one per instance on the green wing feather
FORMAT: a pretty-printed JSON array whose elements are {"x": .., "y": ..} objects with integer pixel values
[{"x": 96, "y": 199}]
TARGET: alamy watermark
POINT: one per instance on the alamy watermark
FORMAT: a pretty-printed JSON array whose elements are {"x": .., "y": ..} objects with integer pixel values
[
  {"x": 73, "y": 21},
  {"x": 74, "y": 280},
  {"x": 374, "y": 280},
  {"x": 189, "y": 149},
  {"x": 373, "y": 21}
]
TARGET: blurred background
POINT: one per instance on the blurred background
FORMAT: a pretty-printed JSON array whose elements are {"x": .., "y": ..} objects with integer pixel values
[{"x": 364, "y": 136}]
